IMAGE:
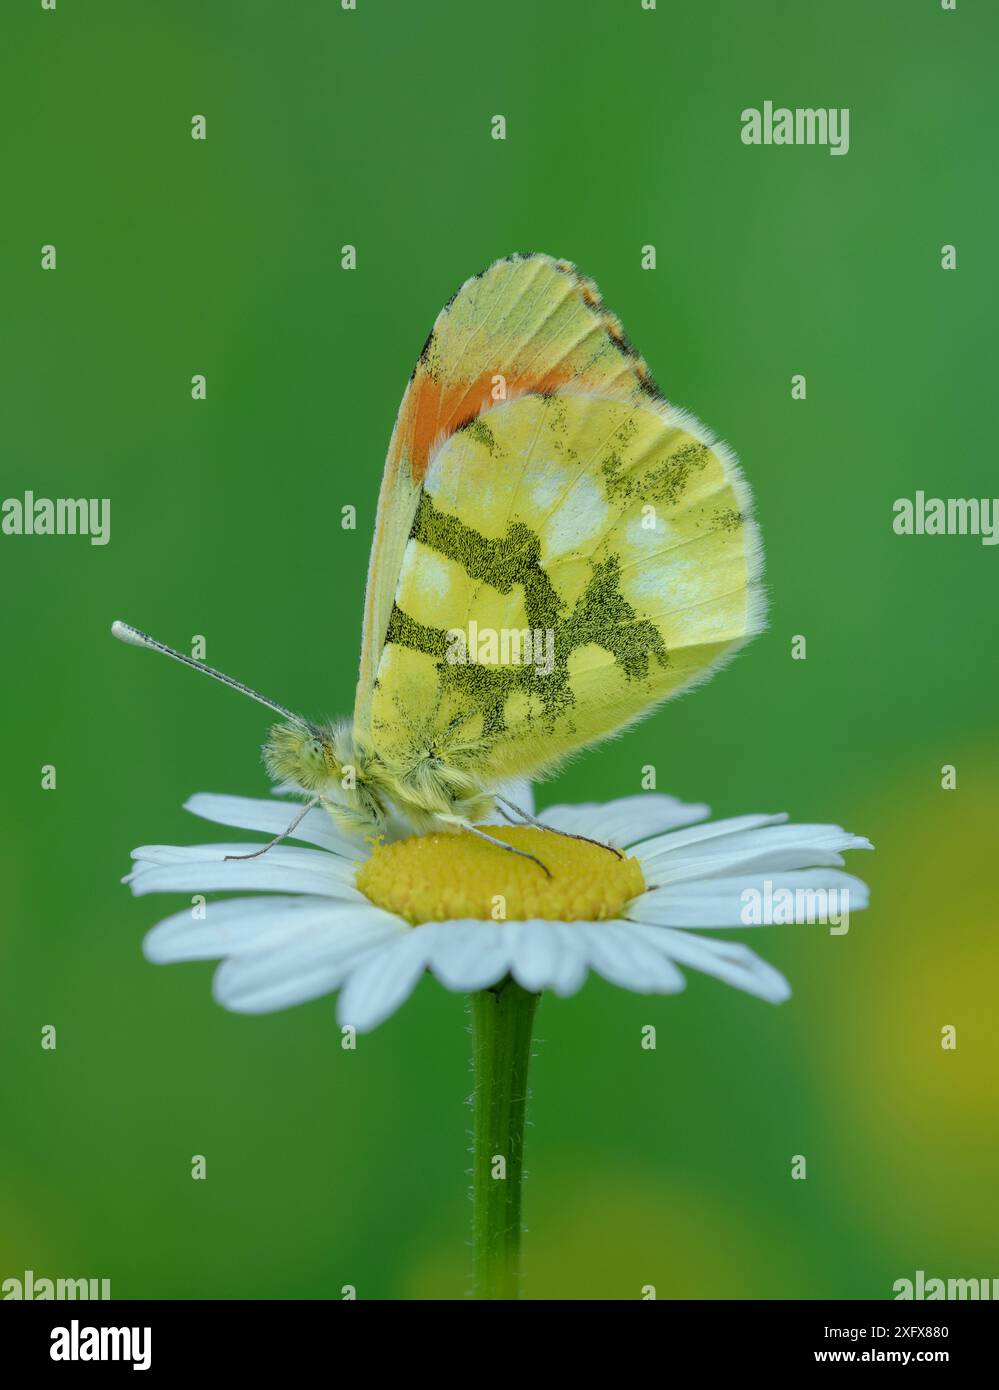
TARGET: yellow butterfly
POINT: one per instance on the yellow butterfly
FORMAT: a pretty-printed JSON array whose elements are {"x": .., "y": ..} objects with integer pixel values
[{"x": 557, "y": 550}]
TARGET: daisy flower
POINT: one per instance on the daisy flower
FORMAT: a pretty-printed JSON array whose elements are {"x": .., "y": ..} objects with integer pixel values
[
  {"x": 339, "y": 912},
  {"x": 370, "y": 920}
]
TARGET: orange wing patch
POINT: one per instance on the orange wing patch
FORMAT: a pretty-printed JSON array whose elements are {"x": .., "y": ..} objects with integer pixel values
[
  {"x": 434, "y": 410},
  {"x": 542, "y": 327}
]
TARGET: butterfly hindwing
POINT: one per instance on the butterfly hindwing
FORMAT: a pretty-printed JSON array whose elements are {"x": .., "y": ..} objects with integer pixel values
[{"x": 612, "y": 531}]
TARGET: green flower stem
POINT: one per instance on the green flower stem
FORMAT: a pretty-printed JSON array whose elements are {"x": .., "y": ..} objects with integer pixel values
[{"x": 501, "y": 1028}]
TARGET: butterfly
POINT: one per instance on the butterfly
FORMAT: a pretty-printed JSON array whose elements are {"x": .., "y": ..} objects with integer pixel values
[{"x": 556, "y": 551}]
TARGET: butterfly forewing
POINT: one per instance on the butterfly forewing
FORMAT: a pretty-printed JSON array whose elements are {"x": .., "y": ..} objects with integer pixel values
[{"x": 527, "y": 324}]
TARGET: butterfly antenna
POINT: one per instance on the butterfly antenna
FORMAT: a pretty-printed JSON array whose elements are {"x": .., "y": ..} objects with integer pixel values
[{"x": 126, "y": 633}]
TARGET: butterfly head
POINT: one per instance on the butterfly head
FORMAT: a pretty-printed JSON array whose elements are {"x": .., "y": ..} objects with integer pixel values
[
  {"x": 302, "y": 755},
  {"x": 323, "y": 761}
]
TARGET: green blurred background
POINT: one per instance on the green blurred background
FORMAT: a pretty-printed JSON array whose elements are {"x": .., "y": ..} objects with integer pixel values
[{"x": 176, "y": 257}]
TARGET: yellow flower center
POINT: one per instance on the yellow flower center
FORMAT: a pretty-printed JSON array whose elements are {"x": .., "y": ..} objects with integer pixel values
[{"x": 437, "y": 877}]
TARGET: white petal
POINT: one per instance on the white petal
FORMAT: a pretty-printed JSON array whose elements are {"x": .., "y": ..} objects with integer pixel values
[
  {"x": 652, "y": 852},
  {"x": 770, "y": 849},
  {"x": 232, "y": 925},
  {"x": 729, "y": 961},
  {"x": 622, "y": 955},
  {"x": 767, "y": 859},
  {"x": 204, "y": 868},
  {"x": 625, "y": 821},
  {"x": 719, "y": 902},
  {"x": 469, "y": 955},
  {"x": 386, "y": 978},
  {"x": 546, "y": 955},
  {"x": 289, "y": 856},
  {"x": 309, "y": 963},
  {"x": 247, "y": 813},
  {"x": 535, "y": 951}
]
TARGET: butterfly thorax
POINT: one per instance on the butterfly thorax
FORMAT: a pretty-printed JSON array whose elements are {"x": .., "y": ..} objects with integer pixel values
[{"x": 362, "y": 790}]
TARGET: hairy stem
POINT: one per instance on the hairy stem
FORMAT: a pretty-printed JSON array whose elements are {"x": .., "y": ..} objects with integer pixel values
[{"x": 501, "y": 1027}]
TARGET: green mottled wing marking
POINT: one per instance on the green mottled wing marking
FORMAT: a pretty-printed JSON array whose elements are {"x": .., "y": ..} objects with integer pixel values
[{"x": 615, "y": 533}]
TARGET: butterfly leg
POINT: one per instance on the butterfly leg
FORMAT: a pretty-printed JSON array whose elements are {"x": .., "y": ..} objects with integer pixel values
[
  {"x": 540, "y": 825},
  {"x": 309, "y": 805},
  {"x": 501, "y": 844}
]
